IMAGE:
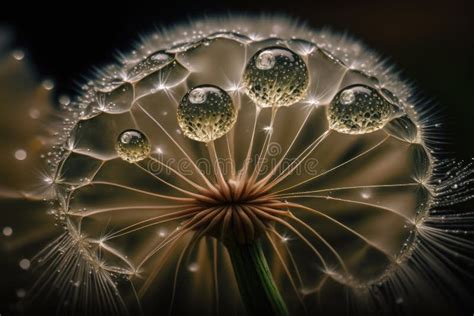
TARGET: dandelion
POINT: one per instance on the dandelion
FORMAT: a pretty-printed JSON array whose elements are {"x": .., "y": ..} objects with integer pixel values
[{"x": 253, "y": 198}]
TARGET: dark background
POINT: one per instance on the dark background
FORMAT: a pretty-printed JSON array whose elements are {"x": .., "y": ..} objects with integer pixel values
[{"x": 431, "y": 42}]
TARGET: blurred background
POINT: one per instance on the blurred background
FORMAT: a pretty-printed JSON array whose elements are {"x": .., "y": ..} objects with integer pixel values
[{"x": 431, "y": 42}]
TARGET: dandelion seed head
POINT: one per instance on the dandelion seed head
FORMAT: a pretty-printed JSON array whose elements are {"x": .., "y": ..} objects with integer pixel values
[
  {"x": 234, "y": 198},
  {"x": 302, "y": 140}
]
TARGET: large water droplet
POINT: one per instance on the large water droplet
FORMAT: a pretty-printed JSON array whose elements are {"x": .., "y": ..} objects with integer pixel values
[
  {"x": 359, "y": 109},
  {"x": 132, "y": 146},
  {"x": 206, "y": 113},
  {"x": 118, "y": 100},
  {"x": 276, "y": 76},
  {"x": 149, "y": 65}
]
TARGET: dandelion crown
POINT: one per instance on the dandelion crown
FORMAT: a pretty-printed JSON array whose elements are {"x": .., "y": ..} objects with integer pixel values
[{"x": 246, "y": 164}]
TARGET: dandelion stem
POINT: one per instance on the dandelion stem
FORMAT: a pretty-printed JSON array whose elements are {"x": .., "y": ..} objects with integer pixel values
[{"x": 257, "y": 288}]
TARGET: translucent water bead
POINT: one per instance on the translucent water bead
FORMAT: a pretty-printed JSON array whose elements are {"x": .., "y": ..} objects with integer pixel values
[
  {"x": 132, "y": 146},
  {"x": 359, "y": 109},
  {"x": 206, "y": 113},
  {"x": 276, "y": 76}
]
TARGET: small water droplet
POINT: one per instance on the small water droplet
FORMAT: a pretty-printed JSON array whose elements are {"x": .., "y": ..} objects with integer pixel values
[{"x": 132, "y": 146}]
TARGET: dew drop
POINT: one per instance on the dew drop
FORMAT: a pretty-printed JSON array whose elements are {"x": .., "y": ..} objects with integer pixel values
[
  {"x": 359, "y": 109},
  {"x": 276, "y": 76},
  {"x": 206, "y": 113},
  {"x": 132, "y": 146}
]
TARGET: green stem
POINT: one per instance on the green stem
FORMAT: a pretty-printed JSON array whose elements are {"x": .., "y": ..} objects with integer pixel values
[{"x": 257, "y": 288}]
